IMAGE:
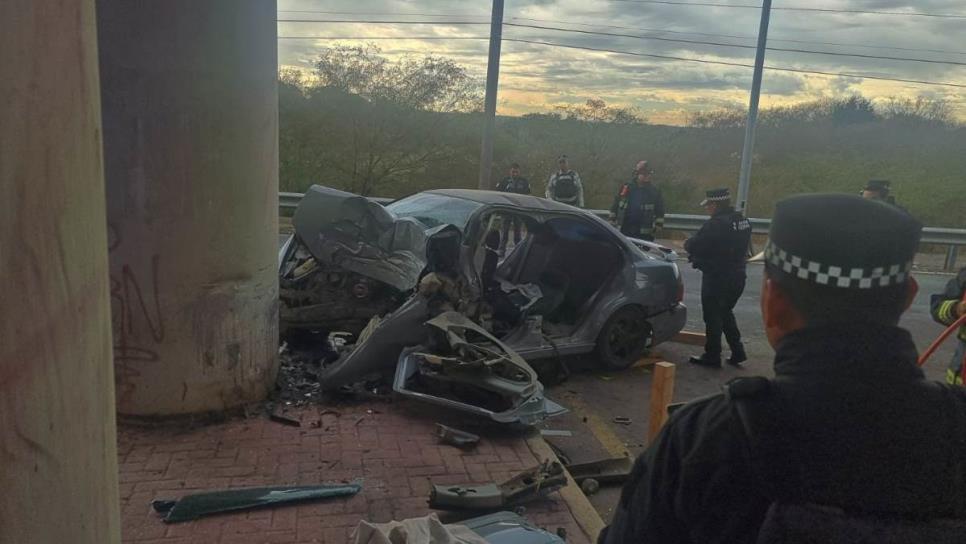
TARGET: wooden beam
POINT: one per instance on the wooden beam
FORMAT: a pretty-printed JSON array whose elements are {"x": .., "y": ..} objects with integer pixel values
[
  {"x": 662, "y": 390},
  {"x": 690, "y": 338}
]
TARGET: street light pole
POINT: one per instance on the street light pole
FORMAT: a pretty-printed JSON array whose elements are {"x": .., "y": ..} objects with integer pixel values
[
  {"x": 492, "y": 80},
  {"x": 748, "y": 150}
]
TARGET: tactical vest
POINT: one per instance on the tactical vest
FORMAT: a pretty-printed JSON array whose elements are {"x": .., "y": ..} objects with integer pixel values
[{"x": 565, "y": 187}]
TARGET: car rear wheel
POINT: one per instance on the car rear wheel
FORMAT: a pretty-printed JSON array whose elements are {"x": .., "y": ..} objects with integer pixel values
[{"x": 624, "y": 338}]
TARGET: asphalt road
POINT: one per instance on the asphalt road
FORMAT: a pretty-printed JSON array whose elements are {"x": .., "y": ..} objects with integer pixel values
[{"x": 596, "y": 398}]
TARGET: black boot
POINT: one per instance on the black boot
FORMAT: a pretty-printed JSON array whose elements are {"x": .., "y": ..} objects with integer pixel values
[
  {"x": 706, "y": 360},
  {"x": 738, "y": 356}
]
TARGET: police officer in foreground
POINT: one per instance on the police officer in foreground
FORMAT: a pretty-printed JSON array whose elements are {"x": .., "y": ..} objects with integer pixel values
[
  {"x": 638, "y": 209},
  {"x": 719, "y": 250},
  {"x": 946, "y": 308},
  {"x": 849, "y": 438},
  {"x": 564, "y": 185}
]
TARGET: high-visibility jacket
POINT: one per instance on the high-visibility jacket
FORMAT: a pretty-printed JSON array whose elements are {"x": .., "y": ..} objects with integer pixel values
[{"x": 943, "y": 310}]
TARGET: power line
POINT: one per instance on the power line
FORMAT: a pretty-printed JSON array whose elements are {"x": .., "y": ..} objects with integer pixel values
[
  {"x": 793, "y": 8},
  {"x": 384, "y": 37},
  {"x": 738, "y": 46},
  {"x": 381, "y": 13},
  {"x": 740, "y": 37},
  {"x": 738, "y": 64},
  {"x": 657, "y": 38},
  {"x": 353, "y": 21}
]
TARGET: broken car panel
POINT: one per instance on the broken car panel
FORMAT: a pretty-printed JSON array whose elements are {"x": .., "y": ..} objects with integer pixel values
[
  {"x": 348, "y": 260},
  {"x": 509, "y": 528},
  {"x": 526, "y": 486},
  {"x": 192, "y": 507},
  {"x": 464, "y": 367}
]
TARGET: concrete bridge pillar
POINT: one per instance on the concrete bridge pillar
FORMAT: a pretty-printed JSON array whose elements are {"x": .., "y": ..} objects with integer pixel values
[
  {"x": 58, "y": 454},
  {"x": 190, "y": 114}
]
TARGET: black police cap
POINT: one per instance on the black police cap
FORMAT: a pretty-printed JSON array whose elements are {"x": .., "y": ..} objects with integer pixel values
[{"x": 842, "y": 241}]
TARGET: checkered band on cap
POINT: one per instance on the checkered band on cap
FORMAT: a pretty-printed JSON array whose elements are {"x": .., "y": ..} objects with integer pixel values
[
  {"x": 836, "y": 276},
  {"x": 718, "y": 198}
]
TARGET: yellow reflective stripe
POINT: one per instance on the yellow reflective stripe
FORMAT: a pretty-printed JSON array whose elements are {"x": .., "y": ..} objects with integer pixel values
[
  {"x": 946, "y": 311},
  {"x": 953, "y": 378}
]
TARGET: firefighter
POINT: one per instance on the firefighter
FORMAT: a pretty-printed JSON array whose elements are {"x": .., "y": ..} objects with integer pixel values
[
  {"x": 564, "y": 185},
  {"x": 638, "y": 209},
  {"x": 719, "y": 250},
  {"x": 946, "y": 308},
  {"x": 849, "y": 442}
]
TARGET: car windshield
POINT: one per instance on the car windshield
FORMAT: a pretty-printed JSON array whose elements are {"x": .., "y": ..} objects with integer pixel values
[{"x": 435, "y": 210}]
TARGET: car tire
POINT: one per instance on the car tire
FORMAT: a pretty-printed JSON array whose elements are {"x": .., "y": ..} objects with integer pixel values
[{"x": 624, "y": 338}]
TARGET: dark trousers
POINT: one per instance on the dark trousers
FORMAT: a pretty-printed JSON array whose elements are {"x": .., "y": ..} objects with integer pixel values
[
  {"x": 719, "y": 295},
  {"x": 634, "y": 231}
]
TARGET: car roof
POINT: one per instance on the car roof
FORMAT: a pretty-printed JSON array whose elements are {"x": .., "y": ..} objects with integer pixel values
[{"x": 507, "y": 199}]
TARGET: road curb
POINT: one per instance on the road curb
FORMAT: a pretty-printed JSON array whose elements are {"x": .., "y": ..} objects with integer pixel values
[{"x": 583, "y": 512}]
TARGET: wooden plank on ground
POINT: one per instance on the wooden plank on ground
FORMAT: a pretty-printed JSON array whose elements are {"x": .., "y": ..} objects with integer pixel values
[
  {"x": 662, "y": 390},
  {"x": 689, "y": 337}
]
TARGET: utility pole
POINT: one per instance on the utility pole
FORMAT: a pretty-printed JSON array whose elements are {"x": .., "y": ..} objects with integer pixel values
[
  {"x": 492, "y": 80},
  {"x": 748, "y": 150}
]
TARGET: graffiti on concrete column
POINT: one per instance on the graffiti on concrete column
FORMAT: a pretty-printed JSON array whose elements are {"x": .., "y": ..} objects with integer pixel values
[{"x": 135, "y": 309}]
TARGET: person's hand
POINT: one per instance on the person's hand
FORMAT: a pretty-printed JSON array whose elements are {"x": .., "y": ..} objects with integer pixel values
[{"x": 961, "y": 309}]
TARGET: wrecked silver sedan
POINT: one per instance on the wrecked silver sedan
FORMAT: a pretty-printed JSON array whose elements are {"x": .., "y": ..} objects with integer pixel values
[
  {"x": 545, "y": 278},
  {"x": 462, "y": 287}
]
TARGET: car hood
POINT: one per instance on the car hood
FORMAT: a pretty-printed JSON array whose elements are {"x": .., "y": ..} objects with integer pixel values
[{"x": 361, "y": 236}]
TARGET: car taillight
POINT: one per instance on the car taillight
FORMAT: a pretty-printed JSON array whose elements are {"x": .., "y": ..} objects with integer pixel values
[{"x": 680, "y": 295}]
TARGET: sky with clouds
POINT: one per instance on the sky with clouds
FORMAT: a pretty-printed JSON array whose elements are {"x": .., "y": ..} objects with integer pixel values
[{"x": 536, "y": 77}]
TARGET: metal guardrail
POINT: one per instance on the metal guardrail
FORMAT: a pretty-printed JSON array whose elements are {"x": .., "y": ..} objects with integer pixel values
[{"x": 287, "y": 202}]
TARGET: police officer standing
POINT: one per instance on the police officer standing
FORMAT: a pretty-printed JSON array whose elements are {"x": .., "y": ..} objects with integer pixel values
[
  {"x": 946, "y": 308},
  {"x": 638, "y": 209},
  {"x": 513, "y": 183},
  {"x": 719, "y": 250},
  {"x": 849, "y": 442},
  {"x": 564, "y": 185}
]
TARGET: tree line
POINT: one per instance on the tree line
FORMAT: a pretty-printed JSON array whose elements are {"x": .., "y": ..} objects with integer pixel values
[{"x": 374, "y": 126}]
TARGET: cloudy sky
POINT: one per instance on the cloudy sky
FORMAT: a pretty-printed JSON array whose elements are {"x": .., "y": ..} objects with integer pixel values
[{"x": 536, "y": 77}]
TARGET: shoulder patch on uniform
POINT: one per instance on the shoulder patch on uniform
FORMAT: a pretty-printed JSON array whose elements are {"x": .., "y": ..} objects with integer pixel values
[{"x": 746, "y": 387}]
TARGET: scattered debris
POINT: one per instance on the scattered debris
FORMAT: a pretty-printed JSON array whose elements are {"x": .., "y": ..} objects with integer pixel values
[
  {"x": 621, "y": 420},
  {"x": 526, "y": 486},
  {"x": 192, "y": 507},
  {"x": 589, "y": 486},
  {"x": 615, "y": 470},
  {"x": 552, "y": 432},
  {"x": 284, "y": 419},
  {"x": 456, "y": 437}
]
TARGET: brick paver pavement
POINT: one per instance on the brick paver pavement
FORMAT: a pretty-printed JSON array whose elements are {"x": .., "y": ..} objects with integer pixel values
[{"x": 389, "y": 445}]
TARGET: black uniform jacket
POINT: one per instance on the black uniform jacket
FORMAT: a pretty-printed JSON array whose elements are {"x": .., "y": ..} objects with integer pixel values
[
  {"x": 861, "y": 429},
  {"x": 721, "y": 245}
]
